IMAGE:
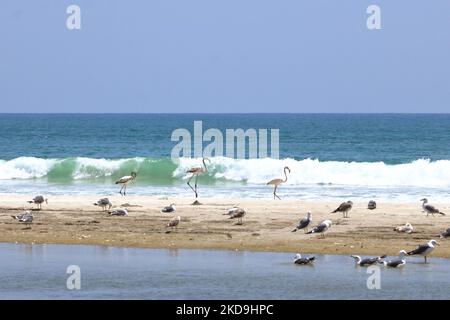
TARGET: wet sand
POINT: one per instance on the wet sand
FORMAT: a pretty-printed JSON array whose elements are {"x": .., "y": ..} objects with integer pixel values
[{"x": 266, "y": 227}]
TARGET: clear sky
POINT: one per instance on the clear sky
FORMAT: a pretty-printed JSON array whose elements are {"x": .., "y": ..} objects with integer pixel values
[{"x": 224, "y": 56}]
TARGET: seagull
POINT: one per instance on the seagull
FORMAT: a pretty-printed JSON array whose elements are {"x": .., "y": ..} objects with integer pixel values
[
  {"x": 238, "y": 214},
  {"x": 174, "y": 222},
  {"x": 428, "y": 208},
  {"x": 124, "y": 182},
  {"x": 304, "y": 223},
  {"x": 424, "y": 249},
  {"x": 25, "y": 217},
  {"x": 119, "y": 212},
  {"x": 321, "y": 228},
  {"x": 372, "y": 205},
  {"x": 232, "y": 210},
  {"x": 445, "y": 234},
  {"x": 407, "y": 228},
  {"x": 367, "y": 261},
  {"x": 39, "y": 200},
  {"x": 399, "y": 262},
  {"x": 103, "y": 202},
  {"x": 299, "y": 260},
  {"x": 345, "y": 207},
  {"x": 170, "y": 208}
]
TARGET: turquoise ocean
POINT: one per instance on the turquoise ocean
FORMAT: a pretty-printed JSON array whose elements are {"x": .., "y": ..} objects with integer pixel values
[{"x": 397, "y": 157}]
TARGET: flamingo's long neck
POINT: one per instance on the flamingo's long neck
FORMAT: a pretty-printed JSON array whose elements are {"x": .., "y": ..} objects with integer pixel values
[
  {"x": 285, "y": 174},
  {"x": 204, "y": 164}
]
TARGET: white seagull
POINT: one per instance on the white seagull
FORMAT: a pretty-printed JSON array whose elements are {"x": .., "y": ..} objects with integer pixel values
[
  {"x": 367, "y": 261},
  {"x": 321, "y": 228},
  {"x": 299, "y": 260},
  {"x": 407, "y": 228},
  {"x": 103, "y": 202},
  {"x": 119, "y": 212},
  {"x": 429, "y": 209},
  {"x": 398, "y": 262},
  {"x": 39, "y": 200},
  {"x": 424, "y": 249},
  {"x": 304, "y": 223},
  {"x": 124, "y": 181}
]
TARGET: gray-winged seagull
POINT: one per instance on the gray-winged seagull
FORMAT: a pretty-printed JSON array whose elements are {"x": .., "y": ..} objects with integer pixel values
[
  {"x": 103, "y": 203},
  {"x": 25, "y": 217},
  {"x": 321, "y": 228},
  {"x": 424, "y": 249},
  {"x": 299, "y": 260},
  {"x": 304, "y": 223},
  {"x": 345, "y": 207},
  {"x": 170, "y": 208},
  {"x": 398, "y": 262},
  {"x": 429, "y": 209},
  {"x": 119, "y": 212},
  {"x": 39, "y": 200},
  {"x": 367, "y": 261}
]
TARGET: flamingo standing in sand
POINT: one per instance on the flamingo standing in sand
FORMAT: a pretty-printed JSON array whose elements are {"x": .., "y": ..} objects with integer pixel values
[
  {"x": 195, "y": 173},
  {"x": 124, "y": 182},
  {"x": 277, "y": 182}
]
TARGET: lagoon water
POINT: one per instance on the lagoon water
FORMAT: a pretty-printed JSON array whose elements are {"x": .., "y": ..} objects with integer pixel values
[{"x": 39, "y": 272}]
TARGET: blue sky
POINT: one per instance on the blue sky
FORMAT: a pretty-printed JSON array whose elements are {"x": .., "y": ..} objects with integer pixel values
[{"x": 224, "y": 56}]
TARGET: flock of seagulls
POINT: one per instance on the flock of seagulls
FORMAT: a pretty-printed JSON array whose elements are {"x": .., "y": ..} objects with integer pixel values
[{"x": 238, "y": 213}]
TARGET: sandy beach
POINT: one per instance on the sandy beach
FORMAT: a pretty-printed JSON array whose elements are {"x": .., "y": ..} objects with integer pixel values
[{"x": 266, "y": 227}]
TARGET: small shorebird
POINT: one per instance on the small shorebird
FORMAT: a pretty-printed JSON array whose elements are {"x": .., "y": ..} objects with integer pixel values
[
  {"x": 407, "y": 228},
  {"x": 299, "y": 260},
  {"x": 238, "y": 214},
  {"x": 25, "y": 217},
  {"x": 321, "y": 228},
  {"x": 367, "y": 261},
  {"x": 119, "y": 212},
  {"x": 232, "y": 210},
  {"x": 429, "y": 209},
  {"x": 103, "y": 203},
  {"x": 372, "y": 205},
  {"x": 174, "y": 222},
  {"x": 395, "y": 263},
  {"x": 124, "y": 181},
  {"x": 424, "y": 249},
  {"x": 304, "y": 223},
  {"x": 345, "y": 208},
  {"x": 39, "y": 200},
  {"x": 170, "y": 208},
  {"x": 277, "y": 182},
  {"x": 195, "y": 173}
]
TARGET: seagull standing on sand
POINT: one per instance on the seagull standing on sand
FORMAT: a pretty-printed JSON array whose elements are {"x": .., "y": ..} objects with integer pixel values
[
  {"x": 428, "y": 208},
  {"x": 367, "y": 261},
  {"x": 174, "y": 222},
  {"x": 238, "y": 214},
  {"x": 304, "y": 223},
  {"x": 103, "y": 202},
  {"x": 424, "y": 249},
  {"x": 232, "y": 210},
  {"x": 277, "y": 182},
  {"x": 407, "y": 228},
  {"x": 124, "y": 181},
  {"x": 25, "y": 217},
  {"x": 394, "y": 263},
  {"x": 119, "y": 212},
  {"x": 445, "y": 234},
  {"x": 345, "y": 207},
  {"x": 299, "y": 260},
  {"x": 170, "y": 208},
  {"x": 372, "y": 205},
  {"x": 321, "y": 228},
  {"x": 39, "y": 200}
]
